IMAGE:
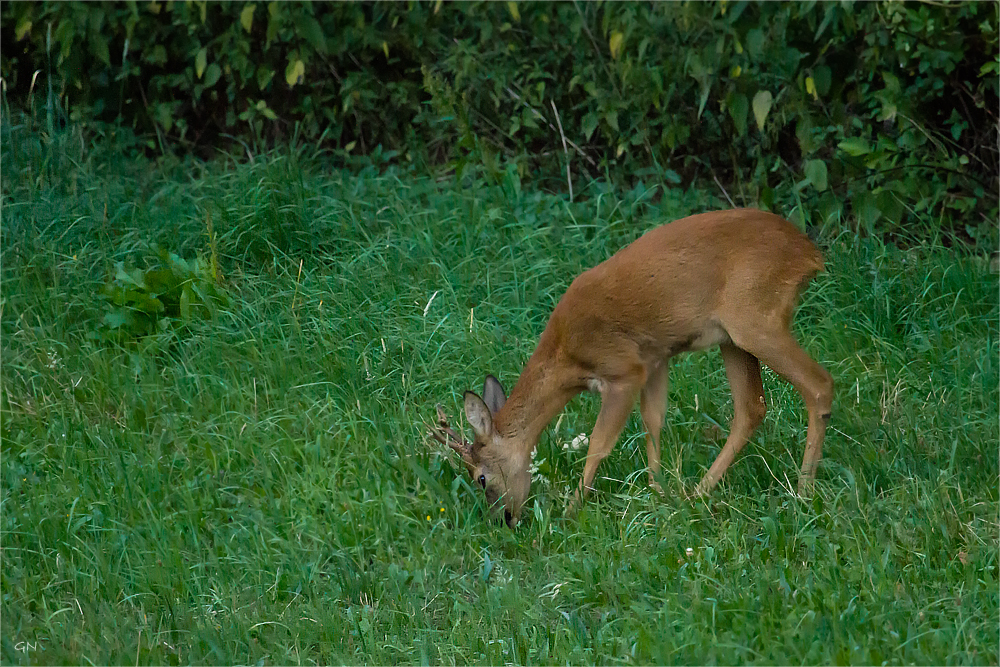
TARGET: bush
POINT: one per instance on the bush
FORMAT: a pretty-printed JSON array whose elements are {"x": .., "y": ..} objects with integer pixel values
[
  {"x": 139, "y": 303},
  {"x": 886, "y": 107}
]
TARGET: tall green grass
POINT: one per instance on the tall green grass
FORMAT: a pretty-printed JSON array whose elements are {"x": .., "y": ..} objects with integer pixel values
[{"x": 258, "y": 487}]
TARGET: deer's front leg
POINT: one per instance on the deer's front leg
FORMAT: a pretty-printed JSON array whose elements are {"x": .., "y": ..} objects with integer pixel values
[
  {"x": 653, "y": 408},
  {"x": 616, "y": 404}
]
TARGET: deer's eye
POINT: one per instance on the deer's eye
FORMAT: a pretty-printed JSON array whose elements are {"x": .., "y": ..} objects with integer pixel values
[{"x": 482, "y": 481}]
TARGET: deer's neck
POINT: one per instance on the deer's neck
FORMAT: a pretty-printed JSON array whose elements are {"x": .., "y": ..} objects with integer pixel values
[{"x": 541, "y": 392}]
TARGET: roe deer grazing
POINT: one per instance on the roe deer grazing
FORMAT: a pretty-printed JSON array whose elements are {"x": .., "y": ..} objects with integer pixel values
[{"x": 727, "y": 278}]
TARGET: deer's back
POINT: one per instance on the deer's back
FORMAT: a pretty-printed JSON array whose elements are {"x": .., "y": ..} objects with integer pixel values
[{"x": 675, "y": 287}]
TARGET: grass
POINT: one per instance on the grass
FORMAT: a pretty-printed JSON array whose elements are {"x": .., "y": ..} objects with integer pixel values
[{"x": 258, "y": 487}]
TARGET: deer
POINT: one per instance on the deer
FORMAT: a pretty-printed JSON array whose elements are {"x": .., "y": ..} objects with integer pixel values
[{"x": 730, "y": 279}]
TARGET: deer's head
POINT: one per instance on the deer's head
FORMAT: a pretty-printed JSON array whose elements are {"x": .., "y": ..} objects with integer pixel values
[{"x": 504, "y": 478}]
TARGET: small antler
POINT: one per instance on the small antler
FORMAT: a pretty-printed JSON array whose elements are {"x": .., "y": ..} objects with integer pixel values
[{"x": 446, "y": 435}]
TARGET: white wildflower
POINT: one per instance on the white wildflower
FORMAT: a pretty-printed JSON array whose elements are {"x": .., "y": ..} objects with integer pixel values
[
  {"x": 578, "y": 442},
  {"x": 52, "y": 359}
]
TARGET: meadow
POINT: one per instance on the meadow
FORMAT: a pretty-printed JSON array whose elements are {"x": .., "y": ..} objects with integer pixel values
[{"x": 256, "y": 485}]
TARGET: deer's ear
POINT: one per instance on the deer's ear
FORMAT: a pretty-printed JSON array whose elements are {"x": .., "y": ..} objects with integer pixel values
[
  {"x": 493, "y": 394},
  {"x": 479, "y": 416}
]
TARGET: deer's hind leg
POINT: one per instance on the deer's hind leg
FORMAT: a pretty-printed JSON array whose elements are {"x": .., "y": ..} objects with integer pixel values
[{"x": 776, "y": 347}]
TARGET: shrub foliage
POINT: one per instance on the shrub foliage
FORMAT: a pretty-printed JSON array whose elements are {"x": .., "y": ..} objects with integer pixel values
[{"x": 887, "y": 107}]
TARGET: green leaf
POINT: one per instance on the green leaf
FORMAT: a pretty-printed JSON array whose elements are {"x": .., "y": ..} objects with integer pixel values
[
  {"x": 116, "y": 318},
  {"x": 612, "y": 119},
  {"x": 157, "y": 55},
  {"x": 804, "y": 133},
  {"x": 590, "y": 122},
  {"x": 762, "y": 106},
  {"x": 65, "y": 35},
  {"x": 163, "y": 113},
  {"x": 767, "y": 197},
  {"x": 706, "y": 88},
  {"x": 212, "y": 75},
  {"x": 811, "y": 87},
  {"x": 22, "y": 29},
  {"x": 889, "y": 206},
  {"x": 134, "y": 278},
  {"x": 615, "y": 44},
  {"x": 831, "y": 9},
  {"x": 815, "y": 171},
  {"x": 830, "y": 207},
  {"x": 161, "y": 281},
  {"x": 185, "y": 303},
  {"x": 295, "y": 72},
  {"x": 755, "y": 43},
  {"x": 264, "y": 76},
  {"x": 99, "y": 47},
  {"x": 309, "y": 27},
  {"x": 176, "y": 263},
  {"x": 854, "y": 146},
  {"x": 865, "y": 208},
  {"x": 822, "y": 76},
  {"x": 144, "y": 303},
  {"x": 200, "y": 298},
  {"x": 200, "y": 61},
  {"x": 738, "y": 107},
  {"x": 892, "y": 85},
  {"x": 274, "y": 21},
  {"x": 246, "y": 16}
]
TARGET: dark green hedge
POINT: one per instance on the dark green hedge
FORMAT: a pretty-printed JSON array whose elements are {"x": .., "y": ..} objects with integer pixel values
[{"x": 889, "y": 107}]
